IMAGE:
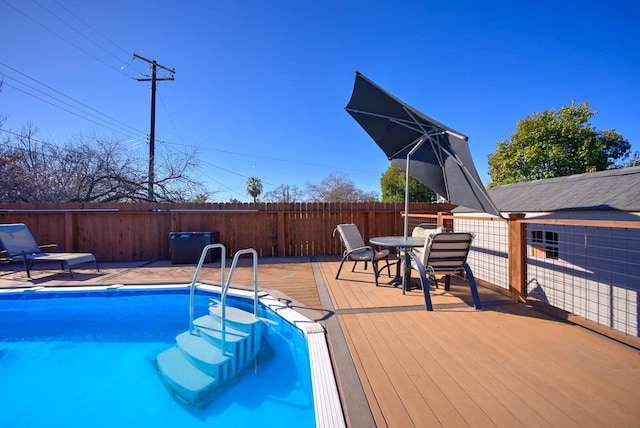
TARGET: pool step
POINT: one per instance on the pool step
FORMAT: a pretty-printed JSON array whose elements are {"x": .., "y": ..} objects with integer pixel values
[
  {"x": 236, "y": 318},
  {"x": 197, "y": 365},
  {"x": 203, "y": 355},
  {"x": 237, "y": 344},
  {"x": 185, "y": 380},
  {"x": 240, "y": 320}
]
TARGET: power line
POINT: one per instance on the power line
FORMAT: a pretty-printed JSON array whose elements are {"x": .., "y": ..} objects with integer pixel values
[
  {"x": 164, "y": 106},
  {"x": 67, "y": 110},
  {"x": 219, "y": 183},
  {"x": 269, "y": 158},
  {"x": 36, "y": 140},
  {"x": 72, "y": 109},
  {"x": 93, "y": 29},
  {"x": 128, "y": 128},
  {"x": 172, "y": 143},
  {"x": 78, "y": 31},
  {"x": 131, "y": 128},
  {"x": 120, "y": 70}
]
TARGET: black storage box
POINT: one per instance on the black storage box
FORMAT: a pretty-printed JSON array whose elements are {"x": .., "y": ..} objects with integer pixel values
[{"x": 186, "y": 247}]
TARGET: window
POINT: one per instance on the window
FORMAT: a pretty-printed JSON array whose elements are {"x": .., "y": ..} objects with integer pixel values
[
  {"x": 544, "y": 244},
  {"x": 536, "y": 236},
  {"x": 551, "y": 244}
]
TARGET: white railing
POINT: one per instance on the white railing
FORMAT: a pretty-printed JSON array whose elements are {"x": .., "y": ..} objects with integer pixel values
[
  {"x": 225, "y": 284},
  {"x": 205, "y": 250}
]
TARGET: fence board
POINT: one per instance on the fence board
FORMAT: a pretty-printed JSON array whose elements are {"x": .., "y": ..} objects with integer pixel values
[{"x": 119, "y": 231}]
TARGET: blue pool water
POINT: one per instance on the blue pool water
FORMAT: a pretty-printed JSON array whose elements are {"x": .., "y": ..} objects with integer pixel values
[{"x": 87, "y": 359}]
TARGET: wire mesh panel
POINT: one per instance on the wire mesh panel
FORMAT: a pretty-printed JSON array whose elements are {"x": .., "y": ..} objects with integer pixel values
[
  {"x": 431, "y": 222},
  {"x": 488, "y": 257},
  {"x": 590, "y": 271},
  {"x": 589, "y": 268}
]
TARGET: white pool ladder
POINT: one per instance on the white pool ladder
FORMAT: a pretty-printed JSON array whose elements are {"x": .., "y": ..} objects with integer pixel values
[
  {"x": 224, "y": 284},
  {"x": 211, "y": 351}
]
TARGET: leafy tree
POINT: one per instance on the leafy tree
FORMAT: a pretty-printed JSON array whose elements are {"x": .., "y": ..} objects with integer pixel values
[
  {"x": 87, "y": 170},
  {"x": 254, "y": 188},
  {"x": 393, "y": 184},
  {"x": 336, "y": 187},
  {"x": 555, "y": 144}
]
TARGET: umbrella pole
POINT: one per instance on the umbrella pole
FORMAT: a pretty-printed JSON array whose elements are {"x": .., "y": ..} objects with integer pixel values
[
  {"x": 419, "y": 142},
  {"x": 406, "y": 200}
]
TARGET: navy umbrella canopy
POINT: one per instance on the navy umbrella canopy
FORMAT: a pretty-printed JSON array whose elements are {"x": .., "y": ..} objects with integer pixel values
[{"x": 434, "y": 154}]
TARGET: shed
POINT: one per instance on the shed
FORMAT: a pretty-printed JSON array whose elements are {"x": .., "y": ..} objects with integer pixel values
[{"x": 582, "y": 239}]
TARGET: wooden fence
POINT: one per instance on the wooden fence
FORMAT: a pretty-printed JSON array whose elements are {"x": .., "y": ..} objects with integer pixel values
[{"x": 116, "y": 232}]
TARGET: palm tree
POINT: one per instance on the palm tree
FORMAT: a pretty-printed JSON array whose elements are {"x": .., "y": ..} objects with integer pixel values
[{"x": 254, "y": 187}]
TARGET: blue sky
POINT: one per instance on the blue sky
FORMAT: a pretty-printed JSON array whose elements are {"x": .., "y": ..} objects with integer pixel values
[{"x": 260, "y": 86}]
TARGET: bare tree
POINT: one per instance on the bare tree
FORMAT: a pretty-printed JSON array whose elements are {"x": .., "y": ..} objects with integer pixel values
[
  {"x": 336, "y": 187},
  {"x": 284, "y": 193},
  {"x": 92, "y": 169}
]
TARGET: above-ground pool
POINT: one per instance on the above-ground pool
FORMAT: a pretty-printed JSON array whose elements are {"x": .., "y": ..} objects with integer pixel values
[{"x": 88, "y": 359}]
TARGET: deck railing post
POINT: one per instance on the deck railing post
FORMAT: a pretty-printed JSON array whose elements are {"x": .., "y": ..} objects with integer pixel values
[{"x": 517, "y": 256}]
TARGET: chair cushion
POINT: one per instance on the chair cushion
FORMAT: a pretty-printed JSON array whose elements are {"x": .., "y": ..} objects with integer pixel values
[
  {"x": 365, "y": 255},
  {"x": 426, "y": 233},
  {"x": 71, "y": 259}
]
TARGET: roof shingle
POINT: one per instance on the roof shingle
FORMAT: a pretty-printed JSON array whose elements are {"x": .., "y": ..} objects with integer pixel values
[{"x": 616, "y": 189}]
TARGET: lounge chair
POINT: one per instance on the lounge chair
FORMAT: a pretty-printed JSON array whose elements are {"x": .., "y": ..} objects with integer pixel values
[
  {"x": 18, "y": 244},
  {"x": 445, "y": 254},
  {"x": 356, "y": 251}
]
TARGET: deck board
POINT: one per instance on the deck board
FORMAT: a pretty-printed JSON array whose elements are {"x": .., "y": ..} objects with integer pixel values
[
  {"x": 506, "y": 365},
  {"x": 474, "y": 365},
  {"x": 507, "y": 406}
]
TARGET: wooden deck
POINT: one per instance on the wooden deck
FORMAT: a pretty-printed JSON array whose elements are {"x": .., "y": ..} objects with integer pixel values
[{"x": 401, "y": 366}]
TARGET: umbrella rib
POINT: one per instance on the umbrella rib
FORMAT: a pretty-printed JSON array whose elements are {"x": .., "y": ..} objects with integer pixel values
[
  {"x": 430, "y": 136},
  {"x": 438, "y": 149},
  {"x": 414, "y": 126},
  {"x": 413, "y": 143},
  {"x": 433, "y": 143},
  {"x": 454, "y": 156},
  {"x": 406, "y": 110}
]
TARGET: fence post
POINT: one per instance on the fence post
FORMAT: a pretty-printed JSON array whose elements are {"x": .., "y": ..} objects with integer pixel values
[
  {"x": 444, "y": 222},
  {"x": 517, "y": 257}
]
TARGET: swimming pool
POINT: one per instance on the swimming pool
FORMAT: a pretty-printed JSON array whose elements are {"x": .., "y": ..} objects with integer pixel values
[{"x": 87, "y": 358}]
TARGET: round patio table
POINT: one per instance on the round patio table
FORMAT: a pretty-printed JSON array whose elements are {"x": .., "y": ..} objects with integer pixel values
[{"x": 407, "y": 244}]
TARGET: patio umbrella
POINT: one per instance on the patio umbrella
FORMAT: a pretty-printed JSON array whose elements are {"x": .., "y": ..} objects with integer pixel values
[{"x": 434, "y": 154}]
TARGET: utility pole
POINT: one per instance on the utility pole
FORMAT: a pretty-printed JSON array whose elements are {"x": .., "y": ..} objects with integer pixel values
[{"x": 152, "y": 130}]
